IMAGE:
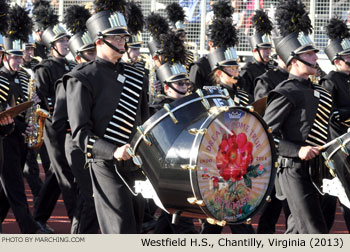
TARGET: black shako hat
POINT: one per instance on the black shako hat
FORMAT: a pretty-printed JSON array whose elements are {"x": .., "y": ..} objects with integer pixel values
[
  {"x": 339, "y": 43},
  {"x": 294, "y": 25},
  {"x": 263, "y": 27}
]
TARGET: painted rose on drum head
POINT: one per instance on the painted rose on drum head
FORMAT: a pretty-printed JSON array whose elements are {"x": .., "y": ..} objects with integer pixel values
[{"x": 235, "y": 166}]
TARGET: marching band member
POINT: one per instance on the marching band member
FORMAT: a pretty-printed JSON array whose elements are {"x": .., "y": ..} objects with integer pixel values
[
  {"x": 200, "y": 71},
  {"x": 297, "y": 112},
  {"x": 60, "y": 179},
  {"x": 106, "y": 101},
  {"x": 224, "y": 64},
  {"x": 336, "y": 82},
  {"x": 83, "y": 50},
  {"x": 261, "y": 45},
  {"x": 14, "y": 90}
]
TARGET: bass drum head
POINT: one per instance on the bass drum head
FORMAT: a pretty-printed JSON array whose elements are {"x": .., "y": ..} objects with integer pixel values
[{"x": 235, "y": 163}]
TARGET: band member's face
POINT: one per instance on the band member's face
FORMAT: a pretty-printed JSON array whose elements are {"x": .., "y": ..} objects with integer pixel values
[
  {"x": 226, "y": 79},
  {"x": 117, "y": 41},
  {"x": 265, "y": 54},
  {"x": 311, "y": 58},
  {"x": 134, "y": 53},
  {"x": 181, "y": 86},
  {"x": 14, "y": 62},
  {"x": 28, "y": 53},
  {"x": 342, "y": 64},
  {"x": 61, "y": 46},
  {"x": 89, "y": 54}
]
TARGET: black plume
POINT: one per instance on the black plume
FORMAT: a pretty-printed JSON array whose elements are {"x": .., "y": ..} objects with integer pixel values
[
  {"x": 45, "y": 17},
  {"x": 291, "y": 16},
  {"x": 262, "y": 23},
  {"x": 20, "y": 24},
  {"x": 173, "y": 48},
  {"x": 134, "y": 18},
  {"x": 110, "y": 5},
  {"x": 75, "y": 18},
  {"x": 175, "y": 12},
  {"x": 38, "y": 3},
  {"x": 4, "y": 10},
  {"x": 337, "y": 29},
  {"x": 223, "y": 33},
  {"x": 156, "y": 25},
  {"x": 222, "y": 9}
]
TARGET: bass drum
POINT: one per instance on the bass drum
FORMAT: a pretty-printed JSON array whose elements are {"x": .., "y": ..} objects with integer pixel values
[
  {"x": 208, "y": 162},
  {"x": 337, "y": 159}
]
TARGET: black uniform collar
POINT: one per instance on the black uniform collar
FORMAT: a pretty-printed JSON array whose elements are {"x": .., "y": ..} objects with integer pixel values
[
  {"x": 282, "y": 70},
  {"x": 343, "y": 74},
  {"x": 116, "y": 67},
  {"x": 260, "y": 64},
  {"x": 8, "y": 73},
  {"x": 301, "y": 80}
]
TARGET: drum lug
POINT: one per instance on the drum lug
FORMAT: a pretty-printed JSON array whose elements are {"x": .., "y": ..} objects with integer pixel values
[
  {"x": 195, "y": 201},
  {"x": 195, "y": 131},
  {"x": 268, "y": 199},
  {"x": 136, "y": 159},
  {"x": 145, "y": 138},
  {"x": 269, "y": 130},
  {"x": 329, "y": 163},
  {"x": 171, "y": 114},
  {"x": 248, "y": 221},
  {"x": 251, "y": 108},
  {"x": 231, "y": 103},
  {"x": 188, "y": 167},
  {"x": 204, "y": 101},
  {"x": 217, "y": 110},
  {"x": 277, "y": 164},
  {"x": 216, "y": 222},
  {"x": 340, "y": 141}
]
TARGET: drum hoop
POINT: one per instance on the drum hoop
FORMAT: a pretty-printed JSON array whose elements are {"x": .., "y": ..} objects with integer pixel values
[
  {"x": 193, "y": 158},
  {"x": 336, "y": 149},
  {"x": 150, "y": 127},
  {"x": 193, "y": 161}
]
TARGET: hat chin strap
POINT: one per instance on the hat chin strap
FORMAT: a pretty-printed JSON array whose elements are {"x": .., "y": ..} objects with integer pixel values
[
  {"x": 57, "y": 51},
  {"x": 177, "y": 91},
  {"x": 305, "y": 62},
  {"x": 8, "y": 63},
  {"x": 112, "y": 46},
  {"x": 347, "y": 63},
  {"x": 230, "y": 75}
]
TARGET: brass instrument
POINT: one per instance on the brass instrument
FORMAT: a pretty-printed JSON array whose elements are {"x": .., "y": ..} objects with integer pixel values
[
  {"x": 153, "y": 93},
  {"x": 36, "y": 117}
]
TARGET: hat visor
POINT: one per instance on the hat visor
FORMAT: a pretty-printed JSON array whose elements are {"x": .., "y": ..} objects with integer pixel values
[
  {"x": 15, "y": 52},
  {"x": 134, "y": 45},
  {"x": 306, "y": 48},
  {"x": 226, "y": 63},
  {"x": 265, "y": 45},
  {"x": 346, "y": 52},
  {"x": 59, "y": 36},
  {"x": 177, "y": 77},
  {"x": 87, "y": 47},
  {"x": 116, "y": 31}
]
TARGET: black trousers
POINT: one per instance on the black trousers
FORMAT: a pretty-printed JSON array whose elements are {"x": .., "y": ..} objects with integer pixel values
[
  {"x": 118, "y": 211},
  {"x": 85, "y": 213},
  {"x": 12, "y": 193},
  {"x": 164, "y": 226},
  {"x": 303, "y": 199},
  {"x": 59, "y": 180}
]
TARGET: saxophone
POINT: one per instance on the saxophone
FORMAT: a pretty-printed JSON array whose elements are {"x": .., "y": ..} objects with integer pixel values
[{"x": 36, "y": 117}]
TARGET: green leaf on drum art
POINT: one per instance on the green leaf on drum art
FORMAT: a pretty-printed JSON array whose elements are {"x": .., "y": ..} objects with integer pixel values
[{"x": 247, "y": 181}]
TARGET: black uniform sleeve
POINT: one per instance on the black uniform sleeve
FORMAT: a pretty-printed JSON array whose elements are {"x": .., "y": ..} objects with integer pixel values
[
  {"x": 79, "y": 107},
  {"x": 59, "y": 117},
  {"x": 6, "y": 129},
  {"x": 277, "y": 111},
  {"x": 261, "y": 88},
  {"x": 42, "y": 82},
  {"x": 328, "y": 85},
  {"x": 196, "y": 76}
]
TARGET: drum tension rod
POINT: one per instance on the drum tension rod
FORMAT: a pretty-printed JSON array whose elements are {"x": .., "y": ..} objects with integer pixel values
[
  {"x": 217, "y": 110},
  {"x": 329, "y": 163},
  {"x": 231, "y": 103},
  {"x": 216, "y": 222},
  {"x": 144, "y": 137},
  {"x": 195, "y": 201},
  {"x": 195, "y": 131},
  {"x": 204, "y": 101},
  {"x": 188, "y": 167},
  {"x": 171, "y": 114},
  {"x": 340, "y": 141}
]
